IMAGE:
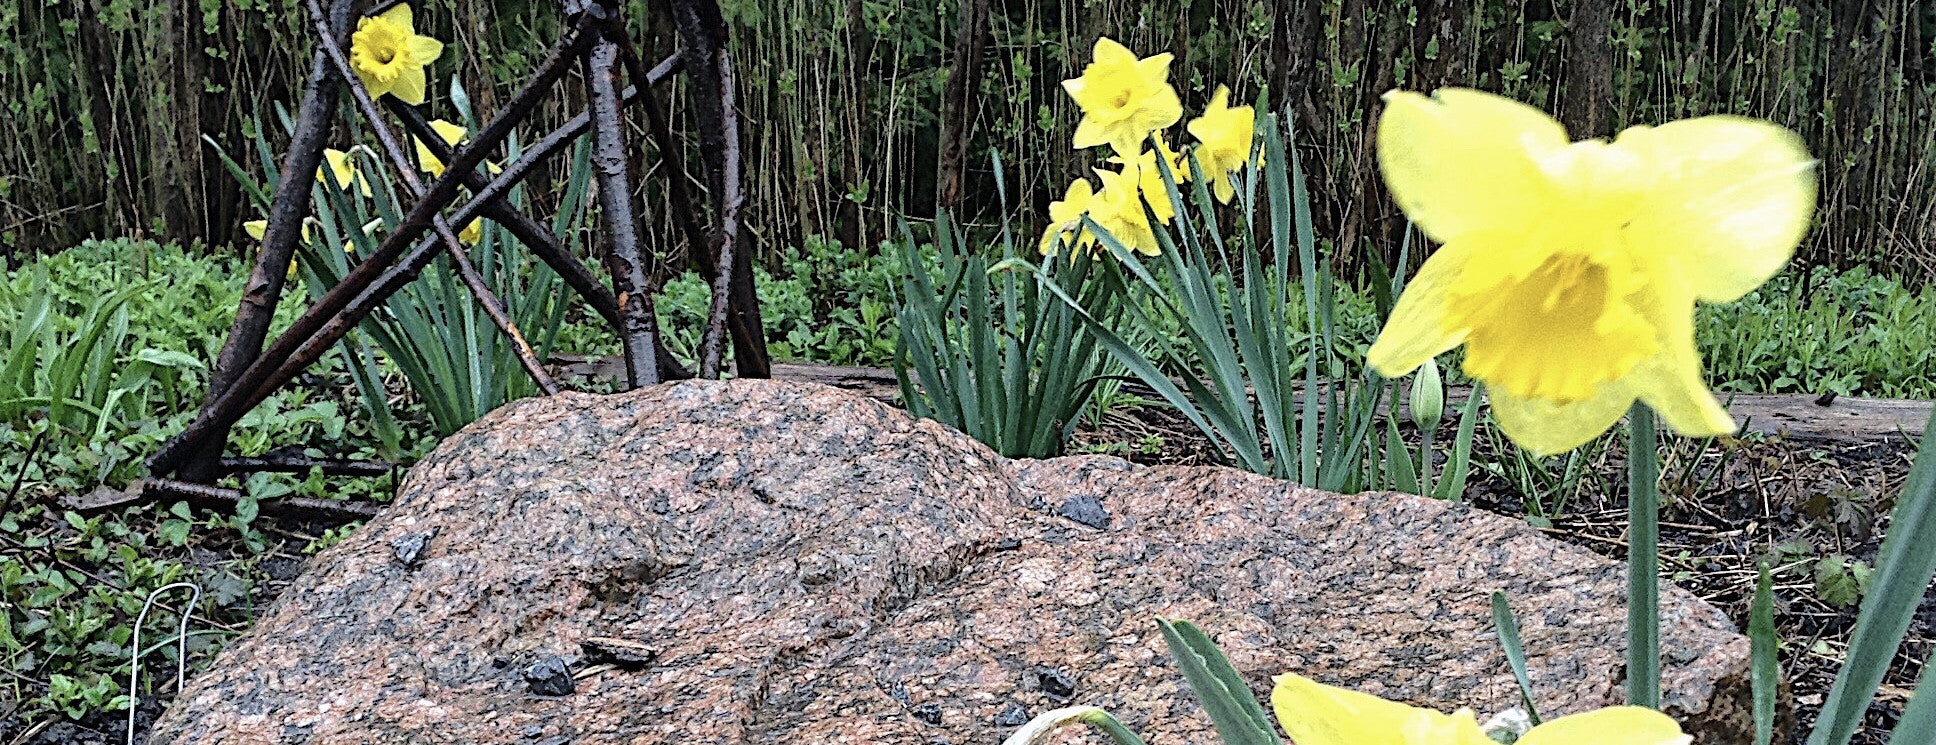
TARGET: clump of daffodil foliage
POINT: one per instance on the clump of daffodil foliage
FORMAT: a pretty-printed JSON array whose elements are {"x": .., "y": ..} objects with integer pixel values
[{"x": 1126, "y": 105}]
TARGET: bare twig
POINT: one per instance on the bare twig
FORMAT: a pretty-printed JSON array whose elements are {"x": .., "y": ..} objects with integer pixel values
[
  {"x": 715, "y": 339},
  {"x": 303, "y": 463},
  {"x": 48, "y": 552},
  {"x": 20, "y": 476},
  {"x": 219, "y": 499},
  {"x": 624, "y": 261},
  {"x": 685, "y": 209},
  {"x": 709, "y": 69}
]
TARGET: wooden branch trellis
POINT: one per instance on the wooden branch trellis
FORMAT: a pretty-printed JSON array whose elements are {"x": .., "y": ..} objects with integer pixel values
[{"x": 247, "y": 373}]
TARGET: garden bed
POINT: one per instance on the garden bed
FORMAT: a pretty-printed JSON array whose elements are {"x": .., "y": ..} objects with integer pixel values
[
  {"x": 1821, "y": 500},
  {"x": 1819, "y": 494}
]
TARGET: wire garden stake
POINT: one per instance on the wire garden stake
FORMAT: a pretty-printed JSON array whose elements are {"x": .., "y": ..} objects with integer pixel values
[
  {"x": 595, "y": 39},
  {"x": 181, "y": 647}
]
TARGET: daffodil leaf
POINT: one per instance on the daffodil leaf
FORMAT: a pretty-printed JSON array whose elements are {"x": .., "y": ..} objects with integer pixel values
[{"x": 1224, "y": 694}]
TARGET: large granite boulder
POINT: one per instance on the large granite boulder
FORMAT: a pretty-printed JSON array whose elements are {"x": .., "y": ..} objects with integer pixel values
[{"x": 782, "y": 562}]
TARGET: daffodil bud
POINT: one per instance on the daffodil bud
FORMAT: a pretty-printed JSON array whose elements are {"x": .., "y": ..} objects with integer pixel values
[{"x": 1428, "y": 396}]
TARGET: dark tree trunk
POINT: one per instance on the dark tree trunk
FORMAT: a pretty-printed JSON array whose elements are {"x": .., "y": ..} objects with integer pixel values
[
  {"x": 958, "y": 105},
  {"x": 703, "y": 32},
  {"x": 1589, "y": 70}
]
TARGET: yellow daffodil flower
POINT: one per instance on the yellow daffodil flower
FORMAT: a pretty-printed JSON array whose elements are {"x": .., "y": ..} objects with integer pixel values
[
  {"x": 1317, "y": 714},
  {"x": 1569, "y": 270},
  {"x": 389, "y": 56},
  {"x": 1118, "y": 208},
  {"x": 1065, "y": 219},
  {"x": 258, "y": 228},
  {"x": 1150, "y": 178},
  {"x": 1123, "y": 98},
  {"x": 339, "y": 164},
  {"x": 452, "y": 134},
  {"x": 1223, "y": 142}
]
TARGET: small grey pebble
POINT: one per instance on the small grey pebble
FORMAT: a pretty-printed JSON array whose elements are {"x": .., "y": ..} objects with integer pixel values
[
  {"x": 1056, "y": 683},
  {"x": 550, "y": 676},
  {"x": 409, "y": 549},
  {"x": 929, "y": 713},
  {"x": 1012, "y": 715}
]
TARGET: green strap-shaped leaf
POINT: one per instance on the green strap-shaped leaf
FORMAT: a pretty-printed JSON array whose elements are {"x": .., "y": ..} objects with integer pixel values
[
  {"x": 1502, "y": 619},
  {"x": 1224, "y": 694},
  {"x": 1765, "y": 677}
]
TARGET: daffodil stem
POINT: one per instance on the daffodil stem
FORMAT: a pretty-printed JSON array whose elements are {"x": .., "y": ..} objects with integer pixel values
[
  {"x": 1425, "y": 462},
  {"x": 1643, "y": 559},
  {"x": 1103, "y": 721}
]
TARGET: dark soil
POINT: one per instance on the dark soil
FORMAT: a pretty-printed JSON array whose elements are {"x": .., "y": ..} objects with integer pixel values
[{"x": 1729, "y": 504}]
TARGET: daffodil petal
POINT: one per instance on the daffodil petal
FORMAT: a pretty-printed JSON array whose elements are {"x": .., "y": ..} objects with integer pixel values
[
  {"x": 401, "y": 15},
  {"x": 1733, "y": 199},
  {"x": 1090, "y": 134},
  {"x": 1670, "y": 381},
  {"x": 424, "y": 50},
  {"x": 1112, "y": 52},
  {"x": 1416, "y": 331},
  {"x": 1317, "y": 714},
  {"x": 409, "y": 86},
  {"x": 1546, "y": 427},
  {"x": 1619, "y": 725},
  {"x": 377, "y": 86},
  {"x": 1462, "y": 160}
]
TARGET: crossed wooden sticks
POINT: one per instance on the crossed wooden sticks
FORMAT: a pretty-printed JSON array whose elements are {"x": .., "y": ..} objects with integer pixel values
[{"x": 246, "y": 373}]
